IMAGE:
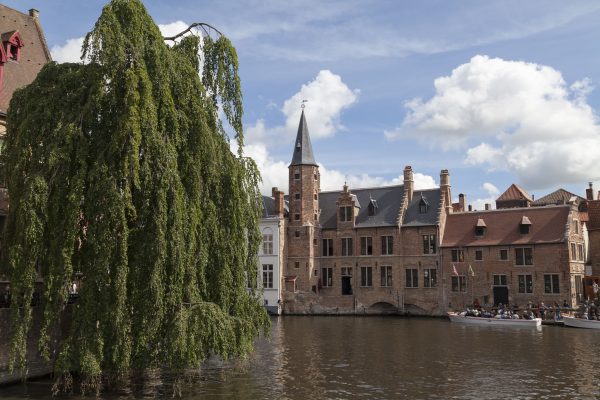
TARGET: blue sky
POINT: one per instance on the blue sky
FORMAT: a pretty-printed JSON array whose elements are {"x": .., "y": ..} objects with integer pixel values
[{"x": 496, "y": 92}]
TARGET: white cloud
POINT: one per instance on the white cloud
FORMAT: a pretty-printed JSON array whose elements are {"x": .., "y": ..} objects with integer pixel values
[
  {"x": 327, "y": 97},
  {"x": 524, "y": 116},
  {"x": 68, "y": 52},
  {"x": 492, "y": 191},
  {"x": 173, "y": 28}
]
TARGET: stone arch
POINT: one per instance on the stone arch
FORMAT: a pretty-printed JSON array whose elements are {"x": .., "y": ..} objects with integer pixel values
[{"x": 383, "y": 307}]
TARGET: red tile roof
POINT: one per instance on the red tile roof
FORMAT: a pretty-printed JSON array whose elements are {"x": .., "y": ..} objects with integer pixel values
[
  {"x": 514, "y": 192},
  {"x": 548, "y": 225},
  {"x": 34, "y": 53},
  {"x": 559, "y": 196}
]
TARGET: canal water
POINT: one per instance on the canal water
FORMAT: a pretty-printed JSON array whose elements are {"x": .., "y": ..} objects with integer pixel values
[{"x": 396, "y": 358}]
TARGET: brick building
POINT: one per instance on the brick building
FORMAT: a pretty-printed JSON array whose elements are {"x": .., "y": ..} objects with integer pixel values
[
  {"x": 514, "y": 255},
  {"x": 361, "y": 250}
]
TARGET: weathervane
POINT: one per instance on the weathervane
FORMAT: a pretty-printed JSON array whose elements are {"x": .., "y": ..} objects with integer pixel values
[{"x": 303, "y": 105}]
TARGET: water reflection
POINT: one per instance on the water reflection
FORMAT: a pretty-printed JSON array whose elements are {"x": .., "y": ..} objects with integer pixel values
[{"x": 383, "y": 358}]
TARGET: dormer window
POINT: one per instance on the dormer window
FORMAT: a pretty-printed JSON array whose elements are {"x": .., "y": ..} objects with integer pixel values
[
  {"x": 346, "y": 213},
  {"x": 525, "y": 226},
  {"x": 372, "y": 208},
  {"x": 12, "y": 43},
  {"x": 423, "y": 205},
  {"x": 480, "y": 227}
]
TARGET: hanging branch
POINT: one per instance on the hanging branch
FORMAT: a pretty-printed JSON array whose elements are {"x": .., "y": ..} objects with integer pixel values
[{"x": 202, "y": 25}]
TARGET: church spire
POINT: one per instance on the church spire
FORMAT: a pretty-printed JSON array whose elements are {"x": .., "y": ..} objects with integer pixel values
[{"x": 303, "y": 152}]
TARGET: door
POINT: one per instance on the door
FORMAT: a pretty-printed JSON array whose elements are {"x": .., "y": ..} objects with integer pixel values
[
  {"x": 500, "y": 295},
  {"x": 346, "y": 285}
]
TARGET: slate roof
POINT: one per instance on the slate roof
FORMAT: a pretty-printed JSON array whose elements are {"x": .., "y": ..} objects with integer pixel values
[
  {"x": 514, "y": 192},
  {"x": 560, "y": 196},
  {"x": 548, "y": 225},
  {"x": 34, "y": 53},
  {"x": 413, "y": 215},
  {"x": 269, "y": 206},
  {"x": 303, "y": 152}
]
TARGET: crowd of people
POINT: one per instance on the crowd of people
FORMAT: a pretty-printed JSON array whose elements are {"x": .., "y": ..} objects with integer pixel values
[{"x": 531, "y": 311}]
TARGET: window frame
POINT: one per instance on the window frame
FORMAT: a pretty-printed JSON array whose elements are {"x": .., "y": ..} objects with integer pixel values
[
  {"x": 524, "y": 259},
  {"x": 480, "y": 253},
  {"x": 411, "y": 276},
  {"x": 267, "y": 247},
  {"x": 554, "y": 287},
  {"x": 326, "y": 247},
  {"x": 366, "y": 245},
  {"x": 506, "y": 251},
  {"x": 347, "y": 247},
  {"x": 458, "y": 284},
  {"x": 430, "y": 278},
  {"x": 267, "y": 276},
  {"x": 346, "y": 214},
  {"x": 525, "y": 284},
  {"x": 430, "y": 243},
  {"x": 458, "y": 255},
  {"x": 386, "y": 276},
  {"x": 366, "y": 276},
  {"x": 326, "y": 277},
  {"x": 387, "y": 245}
]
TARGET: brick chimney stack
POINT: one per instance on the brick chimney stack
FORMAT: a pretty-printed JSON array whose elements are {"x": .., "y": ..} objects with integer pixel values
[
  {"x": 589, "y": 192},
  {"x": 462, "y": 201},
  {"x": 445, "y": 189},
  {"x": 409, "y": 184},
  {"x": 278, "y": 200}
]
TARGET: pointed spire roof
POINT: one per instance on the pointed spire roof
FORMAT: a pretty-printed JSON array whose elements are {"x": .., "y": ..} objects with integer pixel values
[{"x": 303, "y": 152}]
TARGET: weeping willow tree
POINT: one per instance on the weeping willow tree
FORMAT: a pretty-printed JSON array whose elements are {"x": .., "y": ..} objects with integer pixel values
[{"x": 120, "y": 170}]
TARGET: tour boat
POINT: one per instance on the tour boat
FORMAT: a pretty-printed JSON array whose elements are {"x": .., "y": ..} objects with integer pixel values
[
  {"x": 581, "y": 323},
  {"x": 456, "y": 317}
]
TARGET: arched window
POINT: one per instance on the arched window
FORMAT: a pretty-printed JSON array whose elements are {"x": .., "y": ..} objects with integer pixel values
[{"x": 267, "y": 241}]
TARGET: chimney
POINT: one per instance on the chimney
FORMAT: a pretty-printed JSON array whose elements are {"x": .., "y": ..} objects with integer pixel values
[
  {"x": 34, "y": 13},
  {"x": 487, "y": 206},
  {"x": 408, "y": 182},
  {"x": 589, "y": 192},
  {"x": 461, "y": 202},
  {"x": 470, "y": 207},
  {"x": 278, "y": 201},
  {"x": 445, "y": 190}
]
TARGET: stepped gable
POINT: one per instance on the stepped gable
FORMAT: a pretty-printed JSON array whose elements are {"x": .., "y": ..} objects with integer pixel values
[
  {"x": 414, "y": 216},
  {"x": 560, "y": 196},
  {"x": 389, "y": 201},
  {"x": 548, "y": 225},
  {"x": 34, "y": 52}
]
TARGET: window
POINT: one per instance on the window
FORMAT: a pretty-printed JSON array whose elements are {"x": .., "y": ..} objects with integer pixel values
[
  {"x": 316, "y": 176},
  {"x": 504, "y": 255},
  {"x": 429, "y": 244},
  {"x": 430, "y": 278},
  {"x": 412, "y": 278},
  {"x": 346, "y": 213},
  {"x": 387, "y": 245},
  {"x": 372, "y": 208},
  {"x": 551, "y": 283},
  {"x": 478, "y": 255},
  {"x": 327, "y": 247},
  {"x": 479, "y": 230},
  {"x": 326, "y": 277},
  {"x": 297, "y": 233},
  {"x": 500, "y": 280},
  {"x": 458, "y": 255},
  {"x": 576, "y": 226},
  {"x": 297, "y": 196},
  {"x": 316, "y": 198},
  {"x": 579, "y": 252},
  {"x": 297, "y": 217},
  {"x": 366, "y": 276},
  {"x": 267, "y": 241},
  {"x": 459, "y": 283},
  {"x": 386, "y": 276},
  {"x": 524, "y": 256},
  {"x": 423, "y": 205},
  {"x": 525, "y": 284},
  {"x": 346, "y": 246},
  {"x": 267, "y": 276},
  {"x": 524, "y": 229},
  {"x": 296, "y": 264},
  {"x": 296, "y": 175},
  {"x": 573, "y": 252},
  {"x": 366, "y": 246},
  {"x": 579, "y": 288}
]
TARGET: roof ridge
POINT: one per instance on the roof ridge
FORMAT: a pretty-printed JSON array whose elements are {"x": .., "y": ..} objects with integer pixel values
[
  {"x": 14, "y": 9},
  {"x": 536, "y": 209}
]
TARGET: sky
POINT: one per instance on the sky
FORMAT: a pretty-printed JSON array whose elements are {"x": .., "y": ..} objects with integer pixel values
[{"x": 497, "y": 92}]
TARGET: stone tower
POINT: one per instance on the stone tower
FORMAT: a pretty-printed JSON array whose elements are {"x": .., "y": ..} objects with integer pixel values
[{"x": 303, "y": 224}]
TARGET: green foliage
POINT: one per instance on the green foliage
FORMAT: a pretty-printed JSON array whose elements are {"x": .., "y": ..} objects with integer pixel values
[{"x": 120, "y": 169}]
